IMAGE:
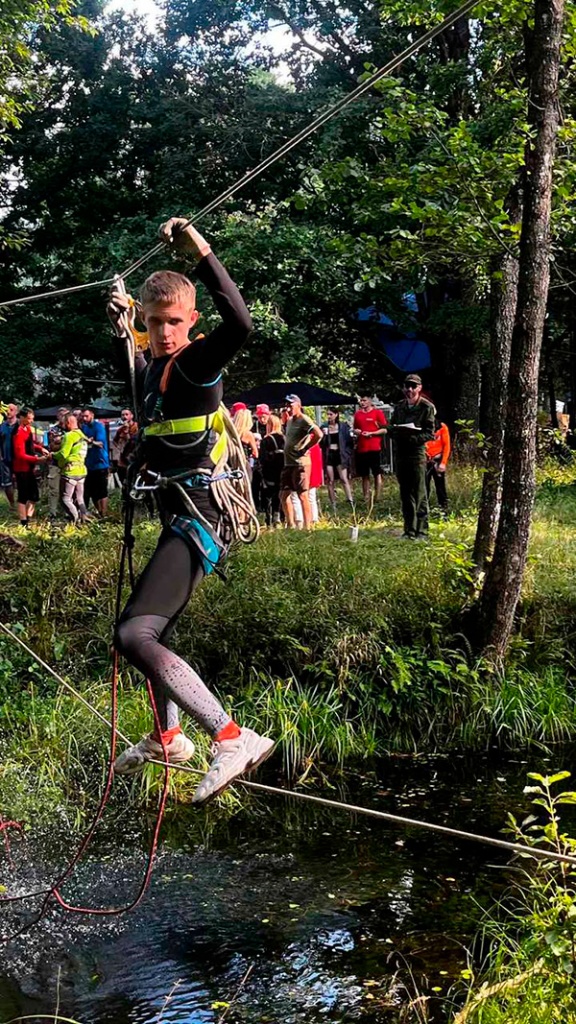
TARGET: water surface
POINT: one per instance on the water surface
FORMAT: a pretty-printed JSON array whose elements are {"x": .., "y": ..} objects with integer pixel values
[{"x": 336, "y": 918}]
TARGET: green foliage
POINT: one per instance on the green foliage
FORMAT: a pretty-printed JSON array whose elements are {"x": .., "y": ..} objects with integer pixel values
[
  {"x": 530, "y": 971},
  {"x": 342, "y": 651},
  {"x": 407, "y": 189},
  {"x": 19, "y": 21}
]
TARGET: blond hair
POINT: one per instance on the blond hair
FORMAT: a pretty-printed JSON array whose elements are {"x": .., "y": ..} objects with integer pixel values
[
  {"x": 243, "y": 421},
  {"x": 274, "y": 424},
  {"x": 167, "y": 286}
]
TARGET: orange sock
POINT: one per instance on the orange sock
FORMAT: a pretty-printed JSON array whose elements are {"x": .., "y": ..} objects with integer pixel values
[
  {"x": 167, "y": 736},
  {"x": 229, "y": 732}
]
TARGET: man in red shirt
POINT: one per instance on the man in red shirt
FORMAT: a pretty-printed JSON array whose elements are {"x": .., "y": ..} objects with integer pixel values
[
  {"x": 24, "y": 462},
  {"x": 369, "y": 428}
]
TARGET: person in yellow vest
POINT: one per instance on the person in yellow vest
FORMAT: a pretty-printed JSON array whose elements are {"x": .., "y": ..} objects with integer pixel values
[
  {"x": 71, "y": 460},
  {"x": 437, "y": 455}
]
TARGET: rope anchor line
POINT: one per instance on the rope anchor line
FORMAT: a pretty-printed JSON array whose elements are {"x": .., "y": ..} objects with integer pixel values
[
  {"x": 318, "y": 122},
  {"x": 395, "y": 819}
]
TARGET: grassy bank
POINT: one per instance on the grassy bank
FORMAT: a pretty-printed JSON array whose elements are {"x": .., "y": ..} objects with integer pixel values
[
  {"x": 341, "y": 650},
  {"x": 528, "y": 972}
]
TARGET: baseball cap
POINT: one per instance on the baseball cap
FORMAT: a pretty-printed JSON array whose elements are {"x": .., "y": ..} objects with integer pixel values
[
  {"x": 263, "y": 409},
  {"x": 293, "y": 398},
  {"x": 237, "y": 407},
  {"x": 413, "y": 378}
]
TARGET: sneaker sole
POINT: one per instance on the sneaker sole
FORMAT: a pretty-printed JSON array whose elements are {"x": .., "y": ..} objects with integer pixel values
[
  {"x": 245, "y": 771},
  {"x": 177, "y": 759}
]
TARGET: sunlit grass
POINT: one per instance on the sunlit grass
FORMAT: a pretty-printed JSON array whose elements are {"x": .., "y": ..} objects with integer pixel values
[{"x": 342, "y": 651}]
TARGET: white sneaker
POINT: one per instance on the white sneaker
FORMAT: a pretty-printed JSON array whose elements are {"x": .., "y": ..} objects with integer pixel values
[
  {"x": 231, "y": 759},
  {"x": 134, "y": 758}
]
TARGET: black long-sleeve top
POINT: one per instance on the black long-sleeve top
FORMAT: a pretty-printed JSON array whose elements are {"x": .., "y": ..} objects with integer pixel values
[{"x": 195, "y": 383}]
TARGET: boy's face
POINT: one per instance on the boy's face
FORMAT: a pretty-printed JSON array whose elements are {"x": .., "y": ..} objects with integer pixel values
[{"x": 168, "y": 324}]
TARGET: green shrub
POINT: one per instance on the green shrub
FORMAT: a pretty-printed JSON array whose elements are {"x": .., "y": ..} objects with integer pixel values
[
  {"x": 529, "y": 975},
  {"x": 341, "y": 650}
]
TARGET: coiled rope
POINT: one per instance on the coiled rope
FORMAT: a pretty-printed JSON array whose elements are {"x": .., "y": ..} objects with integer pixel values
[
  {"x": 282, "y": 151},
  {"x": 231, "y": 486},
  {"x": 336, "y": 805}
]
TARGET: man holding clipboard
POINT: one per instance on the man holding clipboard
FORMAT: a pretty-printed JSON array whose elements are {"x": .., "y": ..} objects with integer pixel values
[{"x": 411, "y": 426}]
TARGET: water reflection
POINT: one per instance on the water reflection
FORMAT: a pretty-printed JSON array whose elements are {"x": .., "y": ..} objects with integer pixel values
[{"x": 325, "y": 908}]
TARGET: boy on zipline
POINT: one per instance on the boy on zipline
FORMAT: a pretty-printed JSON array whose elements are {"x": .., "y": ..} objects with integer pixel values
[{"x": 181, "y": 390}]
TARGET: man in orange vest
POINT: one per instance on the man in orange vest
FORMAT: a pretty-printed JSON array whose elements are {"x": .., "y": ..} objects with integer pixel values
[{"x": 437, "y": 455}]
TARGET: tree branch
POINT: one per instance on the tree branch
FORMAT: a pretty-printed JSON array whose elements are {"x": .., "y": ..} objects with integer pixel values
[{"x": 296, "y": 31}]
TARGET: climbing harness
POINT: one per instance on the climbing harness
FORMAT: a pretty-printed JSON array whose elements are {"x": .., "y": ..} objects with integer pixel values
[
  {"x": 332, "y": 111},
  {"x": 228, "y": 482}
]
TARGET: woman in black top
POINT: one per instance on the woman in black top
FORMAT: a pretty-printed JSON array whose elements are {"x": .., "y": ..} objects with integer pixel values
[
  {"x": 336, "y": 449},
  {"x": 271, "y": 463}
]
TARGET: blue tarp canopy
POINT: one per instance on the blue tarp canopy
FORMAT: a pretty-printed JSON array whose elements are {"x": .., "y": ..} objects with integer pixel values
[{"x": 404, "y": 349}]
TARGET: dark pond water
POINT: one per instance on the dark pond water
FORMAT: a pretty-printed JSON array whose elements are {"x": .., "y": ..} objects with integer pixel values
[{"x": 333, "y": 915}]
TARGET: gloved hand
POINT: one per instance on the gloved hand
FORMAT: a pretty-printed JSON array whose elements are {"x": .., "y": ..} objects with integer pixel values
[{"x": 186, "y": 240}]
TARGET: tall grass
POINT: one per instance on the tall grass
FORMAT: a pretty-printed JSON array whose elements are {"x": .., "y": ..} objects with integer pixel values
[{"x": 342, "y": 651}]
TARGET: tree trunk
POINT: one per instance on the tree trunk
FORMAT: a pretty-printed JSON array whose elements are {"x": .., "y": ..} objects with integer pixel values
[
  {"x": 503, "y": 582},
  {"x": 467, "y": 400},
  {"x": 503, "y": 299}
]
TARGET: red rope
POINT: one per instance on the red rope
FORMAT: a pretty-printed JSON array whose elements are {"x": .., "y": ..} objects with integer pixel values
[
  {"x": 4, "y": 826},
  {"x": 53, "y": 892}
]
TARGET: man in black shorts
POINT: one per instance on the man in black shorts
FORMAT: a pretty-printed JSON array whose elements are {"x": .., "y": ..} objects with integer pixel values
[
  {"x": 301, "y": 435},
  {"x": 28, "y": 454},
  {"x": 97, "y": 462},
  {"x": 181, "y": 441},
  {"x": 369, "y": 428}
]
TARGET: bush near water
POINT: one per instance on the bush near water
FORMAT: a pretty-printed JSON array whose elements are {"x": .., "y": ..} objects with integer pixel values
[{"x": 343, "y": 651}]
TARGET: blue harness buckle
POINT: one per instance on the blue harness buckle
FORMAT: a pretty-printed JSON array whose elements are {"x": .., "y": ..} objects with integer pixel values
[{"x": 204, "y": 540}]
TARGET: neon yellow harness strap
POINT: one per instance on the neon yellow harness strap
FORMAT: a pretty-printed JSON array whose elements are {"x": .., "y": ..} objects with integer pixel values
[
  {"x": 219, "y": 448},
  {"x": 191, "y": 425}
]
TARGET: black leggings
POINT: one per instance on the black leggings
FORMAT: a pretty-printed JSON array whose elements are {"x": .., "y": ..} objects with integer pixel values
[
  {"x": 439, "y": 479},
  {"x": 145, "y": 628},
  {"x": 271, "y": 501}
]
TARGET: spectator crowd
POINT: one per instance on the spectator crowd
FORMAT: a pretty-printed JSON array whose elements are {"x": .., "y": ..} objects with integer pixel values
[{"x": 289, "y": 456}]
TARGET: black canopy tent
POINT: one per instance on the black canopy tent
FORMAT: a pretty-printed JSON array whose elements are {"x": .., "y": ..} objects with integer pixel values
[
  {"x": 102, "y": 408},
  {"x": 274, "y": 394}
]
